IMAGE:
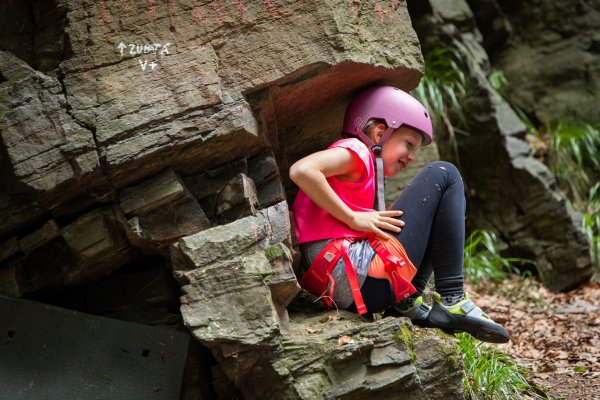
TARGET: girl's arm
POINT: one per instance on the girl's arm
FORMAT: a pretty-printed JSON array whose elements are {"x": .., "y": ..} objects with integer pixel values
[{"x": 310, "y": 174}]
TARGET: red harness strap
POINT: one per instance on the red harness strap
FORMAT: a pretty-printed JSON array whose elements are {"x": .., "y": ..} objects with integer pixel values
[
  {"x": 317, "y": 277},
  {"x": 393, "y": 264},
  {"x": 319, "y": 274},
  {"x": 350, "y": 273}
]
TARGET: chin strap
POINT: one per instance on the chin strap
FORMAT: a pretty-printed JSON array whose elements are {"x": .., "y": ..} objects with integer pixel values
[
  {"x": 377, "y": 149},
  {"x": 380, "y": 181}
]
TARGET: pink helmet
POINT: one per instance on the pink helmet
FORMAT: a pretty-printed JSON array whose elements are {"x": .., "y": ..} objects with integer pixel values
[{"x": 394, "y": 106}]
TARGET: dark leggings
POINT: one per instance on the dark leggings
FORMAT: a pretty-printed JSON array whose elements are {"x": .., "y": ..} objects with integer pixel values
[{"x": 433, "y": 234}]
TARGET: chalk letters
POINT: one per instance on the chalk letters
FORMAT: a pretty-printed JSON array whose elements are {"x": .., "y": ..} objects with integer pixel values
[{"x": 138, "y": 49}]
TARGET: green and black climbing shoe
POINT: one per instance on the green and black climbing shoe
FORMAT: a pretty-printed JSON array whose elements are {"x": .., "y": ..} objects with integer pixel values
[
  {"x": 413, "y": 308},
  {"x": 465, "y": 316}
]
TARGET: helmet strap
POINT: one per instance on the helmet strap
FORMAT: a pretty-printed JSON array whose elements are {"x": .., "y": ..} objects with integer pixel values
[
  {"x": 380, "y": 183},
  {"x": 377, "y": 149}
]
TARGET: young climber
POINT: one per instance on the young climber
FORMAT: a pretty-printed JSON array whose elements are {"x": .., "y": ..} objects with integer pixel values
[{"x": 363, "y": 260}]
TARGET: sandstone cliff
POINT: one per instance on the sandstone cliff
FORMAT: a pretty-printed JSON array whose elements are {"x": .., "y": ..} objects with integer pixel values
[{"x": 133, "y": 130}]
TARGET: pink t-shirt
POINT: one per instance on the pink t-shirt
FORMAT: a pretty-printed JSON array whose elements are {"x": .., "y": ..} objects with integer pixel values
[{"x": 311, "y": 222}]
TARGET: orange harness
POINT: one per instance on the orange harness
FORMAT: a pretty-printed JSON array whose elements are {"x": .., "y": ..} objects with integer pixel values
[{"x": 397, "y": 268}]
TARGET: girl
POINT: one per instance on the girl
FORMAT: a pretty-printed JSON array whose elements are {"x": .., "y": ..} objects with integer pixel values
[{"x": 361, "y": 259}]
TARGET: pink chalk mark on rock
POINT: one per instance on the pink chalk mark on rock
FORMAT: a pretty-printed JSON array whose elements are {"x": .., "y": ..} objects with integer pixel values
[
  {"x": 151, "y": 8},
  {"x": 272, "y": 9},
  {"x": 215, "y": 5},
  {"x": 379, "y": 11},
  {"x": 198, "y": 14},
  {"x": 242, "y": 8},
  {"x": 391, "y": 12},
  {"x": 355, "y": 4},
  {"x": 104, "y": 13}
]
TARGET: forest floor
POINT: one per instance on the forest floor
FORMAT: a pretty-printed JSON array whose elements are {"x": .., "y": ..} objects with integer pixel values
[{"x": 554, "y": 335}]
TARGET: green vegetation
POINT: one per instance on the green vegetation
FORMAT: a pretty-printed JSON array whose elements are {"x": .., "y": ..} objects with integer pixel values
[
  {"x": 570, "y": 149},
  {"x": 573, "y": 157},
  {"x": 491, "y": 374},
  {"x": 486, "y": 267},
  {"x": 452, "y": 351},
  {"x": 442, "y": 90},
  {"x": 499, "y": 82},
  {"x": 575, "y": 164},
  {"x": 406, "y": 336},
  {"x": 483, "y": 261},
  {"x": 591, "y": 222}
]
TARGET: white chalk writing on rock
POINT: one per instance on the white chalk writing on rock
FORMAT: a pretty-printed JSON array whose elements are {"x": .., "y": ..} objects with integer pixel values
[
  {"x": 136, "y": 49},
  {"x": 145, "y": 64}
]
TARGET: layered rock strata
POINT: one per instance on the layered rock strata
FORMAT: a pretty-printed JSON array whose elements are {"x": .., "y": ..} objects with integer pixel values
[
  {"x": 132, "y": 129},
  {"x": 511, "y": 192}
]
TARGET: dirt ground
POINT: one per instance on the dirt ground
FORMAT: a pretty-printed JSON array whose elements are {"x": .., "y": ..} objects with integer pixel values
[{"x": 554, "y": 335}]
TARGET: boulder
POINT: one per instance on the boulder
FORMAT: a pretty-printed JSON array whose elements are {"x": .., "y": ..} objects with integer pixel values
[
  {"x": 48, "y": 152},
  {"x": 500, "y": 173},
  {"x": 168, "y": 128},
  {"x": 161, "y": 209},
  {"x": 237, "y": 280},
  {"x": 552, "y": 73}
]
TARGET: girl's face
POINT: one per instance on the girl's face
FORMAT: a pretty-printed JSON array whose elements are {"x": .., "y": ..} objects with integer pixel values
[{"x": 399, "y": 150}]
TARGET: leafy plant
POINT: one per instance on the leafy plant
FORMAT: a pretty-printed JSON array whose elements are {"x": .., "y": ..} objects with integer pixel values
[
  {"x": 591, "y": 222},
  {"x": 572, "y": 156},
  {"x": 442, "y": 90},
  {"x": 483, "y": 261},
  {"x": 574, "y": 148},
  {"x": 492, "y": 374},
  {"x": 499, "y": 82}
]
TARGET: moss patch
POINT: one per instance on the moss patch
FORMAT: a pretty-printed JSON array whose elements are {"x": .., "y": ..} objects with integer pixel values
[
  {"x": 452, "y": 352},
  {"x": 406, "y": 336}
]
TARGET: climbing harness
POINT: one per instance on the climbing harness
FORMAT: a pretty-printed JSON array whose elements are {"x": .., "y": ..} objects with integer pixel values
[{"x": 400, "y": 271}]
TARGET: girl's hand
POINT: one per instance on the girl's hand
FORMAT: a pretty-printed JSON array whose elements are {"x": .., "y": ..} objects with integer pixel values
[{"x": 375, "y": 221}]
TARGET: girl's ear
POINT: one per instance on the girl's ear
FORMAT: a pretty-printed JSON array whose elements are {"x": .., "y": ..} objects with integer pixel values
[{"x": 377, "y": 132}]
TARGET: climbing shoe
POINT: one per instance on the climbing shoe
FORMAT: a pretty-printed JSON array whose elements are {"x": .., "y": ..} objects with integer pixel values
[
  {"x": 465, "y": 316},
  {"x": 416, "y": 310}
]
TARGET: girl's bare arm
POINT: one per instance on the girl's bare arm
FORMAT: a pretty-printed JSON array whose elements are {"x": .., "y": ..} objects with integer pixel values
[{"x": 310, "y": 174}]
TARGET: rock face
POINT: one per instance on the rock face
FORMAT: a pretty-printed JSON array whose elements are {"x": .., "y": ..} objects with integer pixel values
[
  {"x": 165, "y": 129},
  {"x": 511, "y": 192},
  {"x": 553, "y": 73},
  {"x": 197, "y": 107}
]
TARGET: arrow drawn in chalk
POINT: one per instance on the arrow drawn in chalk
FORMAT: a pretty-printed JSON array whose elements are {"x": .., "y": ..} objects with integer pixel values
[{"x": 121, "y": 47}]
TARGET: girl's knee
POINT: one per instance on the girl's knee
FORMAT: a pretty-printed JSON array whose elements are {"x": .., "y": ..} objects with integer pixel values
[
  {"x": 451, "y": 171},
  {"x": 443, "y": 165}
]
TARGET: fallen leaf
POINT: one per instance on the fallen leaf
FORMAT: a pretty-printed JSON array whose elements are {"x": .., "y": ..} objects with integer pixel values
[
  {"x": 344, "y": 340},
  {"x": 329, "y": 317},
  {"x": 554, "y": 335}
]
